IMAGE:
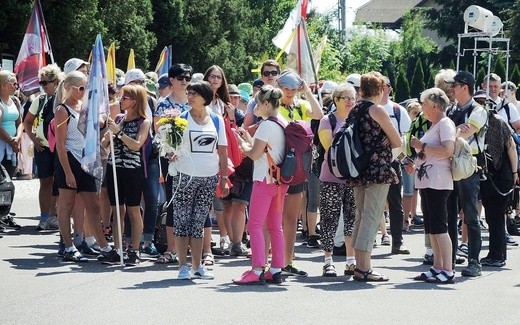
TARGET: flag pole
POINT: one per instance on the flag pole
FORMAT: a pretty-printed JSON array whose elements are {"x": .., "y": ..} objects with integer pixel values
[{"x": 116, "y": 194}]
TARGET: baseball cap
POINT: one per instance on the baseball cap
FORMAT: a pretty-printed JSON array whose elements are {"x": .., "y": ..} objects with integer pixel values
[
  {"x": 290, "y": 80},
  {"x": 480, "y": 94},
  {"x": 258, "y": 83},
  {"x": 164, "y": 81},
  {"x": 247, "y": 87},
  {"x": 328, "y": 87},
  {"x": 354, "y": 79},
  {"x": 134, "y": 75},
  {"x": 73, "y": 65},
  {"x": 463, "y": 77}
]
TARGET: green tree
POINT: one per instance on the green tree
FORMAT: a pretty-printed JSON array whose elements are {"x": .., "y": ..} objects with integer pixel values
[
  {"x": 480, "y": 76},
  {"x": 402, "y": 87},
  {"x": 417, "y": 86},
  {"x": 515, "y": 75},
  {"x": 126, "y": 22},
  {"x": 11, "y": 34}
]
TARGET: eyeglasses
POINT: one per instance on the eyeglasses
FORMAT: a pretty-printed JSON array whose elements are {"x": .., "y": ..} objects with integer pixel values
[
  {"x": 192, "y": 93},
  {"x": 80, "y": 88},
  {"x": 347, "y": 99},
  {"x": 272, "y": 73},
  {"x": 214, "y": 76},
  {"x": 14, "y": 83},
  {"x": 125, "y": 98},
  {"x": 180, "y": 78},
  {"x": 44, "y": 83}
]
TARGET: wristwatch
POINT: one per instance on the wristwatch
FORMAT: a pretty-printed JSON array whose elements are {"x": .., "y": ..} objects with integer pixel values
[{"x": 120, "y": 134}]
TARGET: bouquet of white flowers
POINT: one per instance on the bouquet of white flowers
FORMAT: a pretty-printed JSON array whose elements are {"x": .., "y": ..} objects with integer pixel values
[{"x": 171, "y": 129}]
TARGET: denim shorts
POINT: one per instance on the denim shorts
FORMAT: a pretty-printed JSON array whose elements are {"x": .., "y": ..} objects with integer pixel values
[{"x": 408, "y": 183}]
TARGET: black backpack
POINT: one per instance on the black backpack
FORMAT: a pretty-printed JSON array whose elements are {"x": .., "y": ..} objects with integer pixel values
[
  {"x": 47, "y": 114},
  {"x": 318, "y": 162},
  {"x": 346, "y": 157}
]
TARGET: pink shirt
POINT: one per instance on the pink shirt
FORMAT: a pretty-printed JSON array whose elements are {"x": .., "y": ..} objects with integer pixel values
[{"x": 435, "y": 172}]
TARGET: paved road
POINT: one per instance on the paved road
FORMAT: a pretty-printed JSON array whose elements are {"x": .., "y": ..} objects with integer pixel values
[{"x": 37, "y": 288}]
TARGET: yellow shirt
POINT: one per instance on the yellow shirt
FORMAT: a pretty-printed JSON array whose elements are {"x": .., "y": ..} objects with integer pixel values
[{"x": 296, "y": 112}]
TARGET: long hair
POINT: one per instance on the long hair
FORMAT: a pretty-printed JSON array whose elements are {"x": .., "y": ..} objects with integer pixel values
[
  {"x": 222, "y": 91},
  {"x": 138, "y": 93},
  {"x": 71, "y": 79}
]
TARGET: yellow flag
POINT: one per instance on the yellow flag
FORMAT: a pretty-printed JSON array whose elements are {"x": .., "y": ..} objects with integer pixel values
[
  {"x": 111, "y": 64},
  {"x": 131, "y": 61}
]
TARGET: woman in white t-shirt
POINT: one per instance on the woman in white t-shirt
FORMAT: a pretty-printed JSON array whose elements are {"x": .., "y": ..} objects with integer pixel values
[
  {"x": 434, "y": 180},
  {"x": 268, "y": 195}
]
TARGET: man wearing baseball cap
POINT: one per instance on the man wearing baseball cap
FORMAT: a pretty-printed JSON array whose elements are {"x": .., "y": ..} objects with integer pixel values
[
  {"x": 76, "y": 64},
  {"x": 470, "y": 118}
]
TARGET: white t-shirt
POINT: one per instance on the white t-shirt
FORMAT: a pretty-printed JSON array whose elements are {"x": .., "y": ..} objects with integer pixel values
[
  {"x": 199, "y": 155},
  {"x": 404, "y": 118},
  {"x": 273, "y": 134},
  {"x": 435, "y": 172},
  {"x": 513, "y": 112}
]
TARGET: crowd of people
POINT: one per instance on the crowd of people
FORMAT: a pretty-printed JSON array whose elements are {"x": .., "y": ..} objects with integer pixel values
[{"x": 257, "y": 215}]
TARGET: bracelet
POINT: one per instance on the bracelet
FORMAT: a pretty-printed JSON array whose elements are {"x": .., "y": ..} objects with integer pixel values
[
  {"x": 224, "y": 177},
  {"x": 423, "y": 146},
  {"x": 515, "y": 173}
]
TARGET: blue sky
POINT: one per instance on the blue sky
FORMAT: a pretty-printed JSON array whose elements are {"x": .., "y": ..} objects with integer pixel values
[{"x": 324, "y": 6}]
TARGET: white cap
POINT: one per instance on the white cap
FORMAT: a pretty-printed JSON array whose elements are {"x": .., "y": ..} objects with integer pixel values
[
  {"x": 328, "y": 86},
  {"x": 73, "y": 65},
  {"x": 134, "y": 75},
  {"x": 197, "y": 77},
  {"x": 354, "y": 79}
]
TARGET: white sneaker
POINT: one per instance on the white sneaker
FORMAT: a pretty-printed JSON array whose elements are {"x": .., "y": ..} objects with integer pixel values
[
  {"x": 52, "y": 223},
  {"x": 202, "y": 273},
  {"x": 184, "y": 273},
  {"x": 41, "y": 225}
]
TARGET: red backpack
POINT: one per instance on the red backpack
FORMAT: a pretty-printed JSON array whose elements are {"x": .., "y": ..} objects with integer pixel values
[{"x": 297, "y": 161}]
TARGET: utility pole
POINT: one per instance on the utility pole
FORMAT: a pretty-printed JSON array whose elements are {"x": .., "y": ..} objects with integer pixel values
[{"x": 342, "y": 24}]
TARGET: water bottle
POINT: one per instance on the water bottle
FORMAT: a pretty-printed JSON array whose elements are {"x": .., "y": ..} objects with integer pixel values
[{"x": 288, "y": 167}]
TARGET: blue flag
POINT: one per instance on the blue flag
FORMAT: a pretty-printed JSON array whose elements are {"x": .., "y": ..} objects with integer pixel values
[{"x": 95, "y": 105}]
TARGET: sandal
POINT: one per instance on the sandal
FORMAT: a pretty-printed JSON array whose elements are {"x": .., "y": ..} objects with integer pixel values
[
  {"x": 369, "y": 276},
  {"x": 329, "y": 270},
  {"x": 426, "y": 275},
  {"x": 167, "y": 258},
  {"x": 442, "y": 278},
  {"x": 207, "y": 259}
]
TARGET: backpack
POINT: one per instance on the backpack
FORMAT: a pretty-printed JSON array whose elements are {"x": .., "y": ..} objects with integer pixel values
[
  {"x": 51, "y": 128},
  {"x": 297, "y": 161},
  {"x": 418, "y": 128},
  {"x": 318, "y": 162},
  {"x": 346, "y": 157},
  {"x": 397, "y": 116},
  {"x": 463, "y": 163}
]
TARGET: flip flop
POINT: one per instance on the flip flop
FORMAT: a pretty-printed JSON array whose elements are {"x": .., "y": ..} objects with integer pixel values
[{"x": 366, "y": 276}]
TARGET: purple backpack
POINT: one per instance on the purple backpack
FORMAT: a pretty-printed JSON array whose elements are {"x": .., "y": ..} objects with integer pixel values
[{"x": 297, "y": 162}]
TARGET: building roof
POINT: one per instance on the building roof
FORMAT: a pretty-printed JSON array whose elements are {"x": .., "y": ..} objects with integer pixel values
[{"x": 385, "y": 12}]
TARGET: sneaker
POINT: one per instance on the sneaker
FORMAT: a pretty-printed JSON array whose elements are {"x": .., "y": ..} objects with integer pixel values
[
  {"x": 239, "y": 249},
  {"x": 273, "y": 277},
  {"x": 512, "y": 229},
  {"x": 339, "y": 250},
  {"x": 87, "y": 250},
  {"x": 8, "y": 222},
  {"x": 329, "y": 270},
  {"x": 349, "y": 269},
  {"x": 474, "y": 269},
  {"x": 462, "y": 250},
  {"x": 510, "y": 240},
  {"x": 292, "y": 270},
  {"x": 150, "y": 251},
  {"x": 184, "y": 273},
  {"x": 313, "y": 241},
  {"x": 250, "y": 277},
  {"x": 111, "y": 257},
  {"x": 52, "y": 224},
  {"x": 417, "y": 220},
  {"x": 132, "y": 258},
  {"x": 74, "y": 256},
  {"x": 202, "y": 273},
  {"x": 400, "y": 250},
  {"x": 41, "y": 225},
  {"x": 460, "y": 259},
  {"x": 428, "y": 259},
  {"x": 492, "y": 262},
  {"x": 385, "y": 240}
]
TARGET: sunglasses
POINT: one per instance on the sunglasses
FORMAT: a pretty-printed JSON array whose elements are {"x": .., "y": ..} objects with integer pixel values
[
  {"x": 125, "y": 98},
  {"x": 80, "y": 88},
  {"x": 180, "y": 78},
  {"x": 272, "y": 73},
  {"x": 44, "y": 83},
  {"x": 192, "y": 93}
]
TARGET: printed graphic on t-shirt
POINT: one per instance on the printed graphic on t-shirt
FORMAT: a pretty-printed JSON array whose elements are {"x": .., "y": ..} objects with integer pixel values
[{"x": 203, "y": 141}]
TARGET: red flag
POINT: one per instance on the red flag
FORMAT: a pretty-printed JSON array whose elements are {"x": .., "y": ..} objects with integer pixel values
[{"x": 31, "y": 57}]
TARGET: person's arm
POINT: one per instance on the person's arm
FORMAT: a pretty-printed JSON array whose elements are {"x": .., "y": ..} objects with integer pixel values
[
  {"x": 132, "y": 144},
  {"x": 315, "y": 111},
  {"x": 443, "y": 151},
  {"x": 513, "y": 158},
  {"x": 378, "y": 114},
  {"x": 252, "y": 148}
]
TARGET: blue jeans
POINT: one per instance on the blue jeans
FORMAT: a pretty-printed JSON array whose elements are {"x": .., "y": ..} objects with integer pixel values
[
  {"x": 151, "y": 188},
  {"x": 466, "y": 192}
]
